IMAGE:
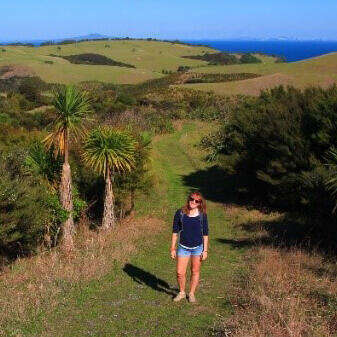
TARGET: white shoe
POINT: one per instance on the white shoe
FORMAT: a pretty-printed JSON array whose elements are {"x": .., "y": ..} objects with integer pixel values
[{"x": 179, "y": 297}]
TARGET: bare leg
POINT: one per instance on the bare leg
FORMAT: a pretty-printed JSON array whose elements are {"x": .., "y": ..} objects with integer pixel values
[
  {"x": 182, "y": 263},
  {"x": 195, "y": 273}
]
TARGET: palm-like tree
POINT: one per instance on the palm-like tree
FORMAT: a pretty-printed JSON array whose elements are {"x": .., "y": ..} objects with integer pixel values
[
  {"x": 42, "y": 162},
  {"x": 331, "y": 182},
  {"x": 72, "y": 108},
  {"x": 108, "y": 151}
]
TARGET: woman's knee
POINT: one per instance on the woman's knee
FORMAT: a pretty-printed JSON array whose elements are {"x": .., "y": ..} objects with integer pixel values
[
  {"x": 181, "y": 274},
  {"x": 195, "y": 270}
]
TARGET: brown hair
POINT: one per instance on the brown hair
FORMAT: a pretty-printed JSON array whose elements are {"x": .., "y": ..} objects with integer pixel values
[{"x": 202, "y": 206}]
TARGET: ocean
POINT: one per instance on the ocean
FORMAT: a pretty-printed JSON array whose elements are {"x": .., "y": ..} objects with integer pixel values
[{"x": 291, "y": 50}]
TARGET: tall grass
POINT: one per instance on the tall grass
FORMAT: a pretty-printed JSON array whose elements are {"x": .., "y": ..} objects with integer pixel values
[{"x": 282, "y": 292}]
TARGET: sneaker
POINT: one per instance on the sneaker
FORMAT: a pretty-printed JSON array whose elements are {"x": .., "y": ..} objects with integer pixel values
[
  {"x": 179, "y": 297},
  {"x": 191, "y": 298}
]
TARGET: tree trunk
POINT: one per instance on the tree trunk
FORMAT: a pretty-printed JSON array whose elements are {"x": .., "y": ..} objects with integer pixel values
[
  {"x": 109, "y": 213},
  {"x": 66, "y": 199}
]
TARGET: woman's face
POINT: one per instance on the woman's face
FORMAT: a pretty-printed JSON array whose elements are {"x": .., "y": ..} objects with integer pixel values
[{"x": 194, "y": 201}]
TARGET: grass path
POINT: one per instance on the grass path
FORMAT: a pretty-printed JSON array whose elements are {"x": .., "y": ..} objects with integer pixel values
[{"x": 136, "y": 299}]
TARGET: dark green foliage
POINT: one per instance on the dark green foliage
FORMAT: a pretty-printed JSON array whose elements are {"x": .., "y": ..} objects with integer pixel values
[
  {"x": 205, "y": 113},
  {"x": 152, "y": 85},
  {"x": 43, "y": 163},
  {"x": 3, "y": 50},
  {"x": 215, "y": 58},
  {"x": 48, "y": 62},
  {"x": 14, "y": 111},
  {"x": 225, "y": 58},
  {"x": 331, "y": 181},
  {"x": 94, "y": 59},
  {"x": 278, "y": 142},
  {"x": 249, "y": 58},
  {"x": 220, "y": 77},
  {"x": 31, "y": 88},
  {"x": 25, "y": 210},
  {"x": 182, "y": 69},
  {"x": 167, "y": 72}
]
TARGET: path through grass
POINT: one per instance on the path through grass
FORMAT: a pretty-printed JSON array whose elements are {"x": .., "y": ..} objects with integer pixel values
[{"x": 135, "y": 299}]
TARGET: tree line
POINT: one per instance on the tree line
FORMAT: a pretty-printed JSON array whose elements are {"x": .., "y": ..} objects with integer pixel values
[{"x": 281, "y": 149}]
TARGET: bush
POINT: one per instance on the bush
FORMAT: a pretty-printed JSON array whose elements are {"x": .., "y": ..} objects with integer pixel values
[
  {"x": 183, "y": 69},
  {"x": 31, "y": 88},
  {"x": 249, "y": 58},
  {"x": 215, "y": 58},
  {"x": 95, "y": 59},
  {"x": 278, "y": 142},
  {"x": 25, "y": 207}
]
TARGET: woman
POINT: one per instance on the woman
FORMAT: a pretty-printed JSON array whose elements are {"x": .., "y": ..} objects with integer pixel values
[{"x": 191, "y": 225}]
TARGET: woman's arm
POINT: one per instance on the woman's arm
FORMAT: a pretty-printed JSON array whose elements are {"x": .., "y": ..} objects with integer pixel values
[
  {"x": 205, "y": 252},
  {"x": 173, "y": 245}
]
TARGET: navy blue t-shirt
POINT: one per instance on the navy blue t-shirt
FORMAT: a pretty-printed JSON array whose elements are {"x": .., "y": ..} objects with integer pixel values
[{"x": 190, "y": 229}]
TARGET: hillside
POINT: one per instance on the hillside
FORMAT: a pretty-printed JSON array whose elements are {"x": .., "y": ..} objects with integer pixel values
[
  {"x": 316, "y": 71},
  {"x": 121, "y": 283},
  {"x": 150, "y": 58}
]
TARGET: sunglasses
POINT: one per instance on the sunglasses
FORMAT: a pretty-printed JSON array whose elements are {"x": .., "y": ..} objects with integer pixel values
[{"x": 197, "y": 201}]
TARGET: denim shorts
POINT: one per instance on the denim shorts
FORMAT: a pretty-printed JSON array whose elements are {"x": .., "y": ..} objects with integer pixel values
[{"x": 182, "y": 251}]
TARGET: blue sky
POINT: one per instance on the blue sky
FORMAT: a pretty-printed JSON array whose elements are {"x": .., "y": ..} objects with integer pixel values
[{"x": 189, "y": 19}]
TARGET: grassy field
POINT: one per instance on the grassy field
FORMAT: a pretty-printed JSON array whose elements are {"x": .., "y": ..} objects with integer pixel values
[
  {"x": 149, "y": 57},
  {"x": 134, "y": 298},
  {"x": 121, "y": 283},
  {"x": 316, "y": 71}
]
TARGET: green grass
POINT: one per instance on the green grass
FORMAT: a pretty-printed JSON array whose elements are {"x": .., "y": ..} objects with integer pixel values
[
  {"x": 316, "y": 71},
  {"x": 117, "y": 305},
  {"x": 149, "y": 57}
]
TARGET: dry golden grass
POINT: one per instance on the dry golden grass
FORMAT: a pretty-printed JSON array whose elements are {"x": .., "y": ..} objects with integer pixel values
[
  {"x": 31, "y": 284},
  {"x": 318, "y": 71},
  {"x": 283, "y": 292}
]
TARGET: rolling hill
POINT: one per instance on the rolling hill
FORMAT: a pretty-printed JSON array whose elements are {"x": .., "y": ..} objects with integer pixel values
[
  {"x": 316, "y": 71},
  {"x": 150, "y": 58}
]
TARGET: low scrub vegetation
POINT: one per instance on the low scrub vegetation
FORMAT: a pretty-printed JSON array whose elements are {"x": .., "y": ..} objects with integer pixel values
[
  {"x": 224, "y": 58},
  {"x": 277, "y": 144},
  {"x": 94, "y": 59},
  {"x": 249, "y": 58},
  {"x": 218, "y": 77}
]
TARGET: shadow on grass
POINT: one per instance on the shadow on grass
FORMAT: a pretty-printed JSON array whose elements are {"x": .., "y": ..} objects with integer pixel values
[
  {"x": 144, "y": 277},
  {"x": 218, "y": 186},
  {"x": 291, "y": 230},
  {"x": 285, "y": 233}
]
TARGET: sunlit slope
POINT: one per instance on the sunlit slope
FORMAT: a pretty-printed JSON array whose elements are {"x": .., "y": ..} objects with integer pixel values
[
  {"x": 149, "y": 58},
  {"x": 320, "y": 71}
]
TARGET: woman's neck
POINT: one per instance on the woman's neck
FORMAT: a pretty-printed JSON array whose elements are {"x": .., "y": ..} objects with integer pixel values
[{"x": 194, "y": 211}]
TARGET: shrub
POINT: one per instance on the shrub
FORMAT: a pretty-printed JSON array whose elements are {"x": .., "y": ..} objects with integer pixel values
[
  {"x": 31, "y": 88},
  {"x": 249, "y": 58},
  {"x": 25, "y": 208},
  {"x": 183, "y": 68},
  {"x": 95, "y": 59},
  {"x": 278, "y": 142},
  {"x": 215, "y": 58}
]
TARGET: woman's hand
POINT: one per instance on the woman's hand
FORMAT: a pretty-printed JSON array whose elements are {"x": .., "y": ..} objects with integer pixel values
[
  {"x": 204, "y": 256},
  {"x": 173, "y": 254}
]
